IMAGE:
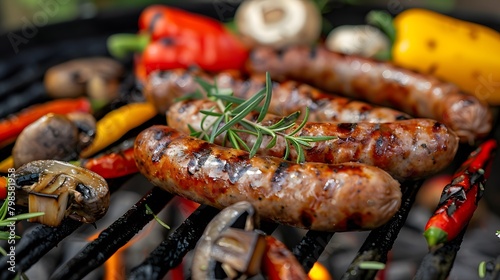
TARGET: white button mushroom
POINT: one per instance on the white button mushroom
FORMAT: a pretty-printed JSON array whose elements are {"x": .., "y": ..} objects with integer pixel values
[
  {"x": 362, "y": 40},
  {"x": 279, "y": 23}
]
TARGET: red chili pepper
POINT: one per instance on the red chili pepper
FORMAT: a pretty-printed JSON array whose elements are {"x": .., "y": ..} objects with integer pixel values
[
  {"x": 13, "y": 125},
  {"x": 278, "y": 263},
  {"x": 113, "y": 164},
  {"x": 171, "y": 38},
  {"x": 460, "y": 198}
]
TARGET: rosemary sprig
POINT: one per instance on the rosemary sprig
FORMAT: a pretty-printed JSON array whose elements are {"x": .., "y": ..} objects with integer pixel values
[
  {"x": 231, "y": 111},
  {"x": 158, "y": 220},
  {"x": 5, "y": 221}
]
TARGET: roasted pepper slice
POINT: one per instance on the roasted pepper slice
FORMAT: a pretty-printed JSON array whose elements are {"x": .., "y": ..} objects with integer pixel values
[
  {"x": 117, "y": 123},
  {"x": 113, "y": 165},
  {"x": 12, "y": 126},
  {"x": 453, "y": 50},
  {"x": 171, "y": 38},
  {"x": 460, "y": 198}
]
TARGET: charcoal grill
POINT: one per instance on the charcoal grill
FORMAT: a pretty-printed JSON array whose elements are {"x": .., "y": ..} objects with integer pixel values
[{"x": 21, "y": 75}]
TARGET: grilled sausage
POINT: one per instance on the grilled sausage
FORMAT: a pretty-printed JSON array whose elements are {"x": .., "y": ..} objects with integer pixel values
[
  {"x": 408, "y": 149},
  {"x": 327, "y": 197},
  {"x": 288, "y": 97},
  {"x": 380, "y": 83}
]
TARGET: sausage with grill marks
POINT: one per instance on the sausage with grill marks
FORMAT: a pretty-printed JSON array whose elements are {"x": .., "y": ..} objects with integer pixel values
[
  {"x": 318, "y": 196},
  {"x": 408, "y": 149},
  {"x": 288, "y": 97},
  {"x": 380, "y": 83}
]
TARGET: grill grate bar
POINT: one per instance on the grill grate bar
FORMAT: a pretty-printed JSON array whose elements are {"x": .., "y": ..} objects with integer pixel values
[
  {"x": 437, "y": 264},
  {"x": 170, "y": 252},
  {"x": 33, "y": 246},
  {"x": 379, "y": 242},
  {"x": 311, "y": 247},
  {"x": 114, "y": 237}
]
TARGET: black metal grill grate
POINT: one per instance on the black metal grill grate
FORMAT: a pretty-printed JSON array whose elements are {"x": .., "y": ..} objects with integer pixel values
[{"x": 22, "y": 76}]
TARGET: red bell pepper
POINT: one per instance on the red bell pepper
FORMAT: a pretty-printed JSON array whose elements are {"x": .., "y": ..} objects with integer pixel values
[
  {"x": 13, "y": 125},
  {"x": 163, "y": 21},
  {"x": 171, "y": 38},
  {"x": 113, "y": 164},
  {"x": 459, "y": 199}
]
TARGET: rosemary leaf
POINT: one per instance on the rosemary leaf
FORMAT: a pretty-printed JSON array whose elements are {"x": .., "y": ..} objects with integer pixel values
[
  {"x": 233, "y": 139},
  {"x": 269, "y": 94},
  {"x": 211, "y": 113},
  {"x": 25, "y": 216},
  {"x": 215, "y": 131},
  {"x": 287, "y": 121},
  {"x": 233, "y": 111},
  {"x": 317, "y": 138},
  {"x": 239, "y": 140},
  {"x": 207, "y": 87},
  {"x": 303, "y": 123},
  {"x": 240, "y": 116},
  {"x": 250, "y": 104},
  {"x": 301, "y": 142},
  {"x": 272, "y": 143},
  {"x": 229, "y": 98},
  {"x": 257, "y": 143},
  {"x": 287, "y": 149},
  {"x": 299, "y": 150}
]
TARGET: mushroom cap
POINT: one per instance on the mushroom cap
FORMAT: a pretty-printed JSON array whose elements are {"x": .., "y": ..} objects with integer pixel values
[
  {"x": 69, "y": 79},
  {"x": 279, "y": 23},
  {"x": 54, "y": 136}
]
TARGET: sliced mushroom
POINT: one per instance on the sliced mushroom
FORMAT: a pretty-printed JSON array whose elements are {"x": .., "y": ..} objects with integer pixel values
[
  {"x": 362, "y": 40},
  {"x": 62, "y": 190},
  {"x": 242, "y": 215},
  {"x": 98, "y": 77},
  {"x": 240, "y": 250},
  {"x": 279, "y": 23},
  {"x": 58, "y": 137}
]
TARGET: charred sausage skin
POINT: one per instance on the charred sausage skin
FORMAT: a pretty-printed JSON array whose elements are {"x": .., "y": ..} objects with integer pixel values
[
  {"x": 317, "y": 196},
  {"x": 407, "y": 149},
  {"x": 288, "y": 96},
  {"x": 379, "y": 83}
]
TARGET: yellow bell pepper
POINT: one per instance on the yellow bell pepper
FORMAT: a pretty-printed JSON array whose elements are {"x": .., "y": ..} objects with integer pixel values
[
  {"x": 117, "y": 123},
  {"x": 453, "y": 50},
  {"x": 6, "y": 164}
]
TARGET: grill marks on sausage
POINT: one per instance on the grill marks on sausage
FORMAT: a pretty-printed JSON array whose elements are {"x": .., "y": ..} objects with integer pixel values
[
  {"x": 164, "y": 138},
  {"x": 408, "y": 149},
  {"x": 199, "y": 156},
  {"x": 279, "y": 177},
  {"x": 236, "y": 168},
  {"x": 346, "y": 127},
  {"x": 288, "y": 96},
  {"x": 384, "y": 84},
  {"x": 308, "y": 195}
]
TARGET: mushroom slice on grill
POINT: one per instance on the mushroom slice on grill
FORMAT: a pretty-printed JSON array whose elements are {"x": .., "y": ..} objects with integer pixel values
[
  {"x": 61, "y": 190},
  {"x": 231, "y": 248}
]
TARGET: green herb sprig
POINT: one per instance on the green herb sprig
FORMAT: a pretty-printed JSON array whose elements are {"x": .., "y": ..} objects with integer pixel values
[
  {"x": 5, "y": 221},
  {"x": 231, "y": 110},
  {"x": 158, "y": 220}
]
